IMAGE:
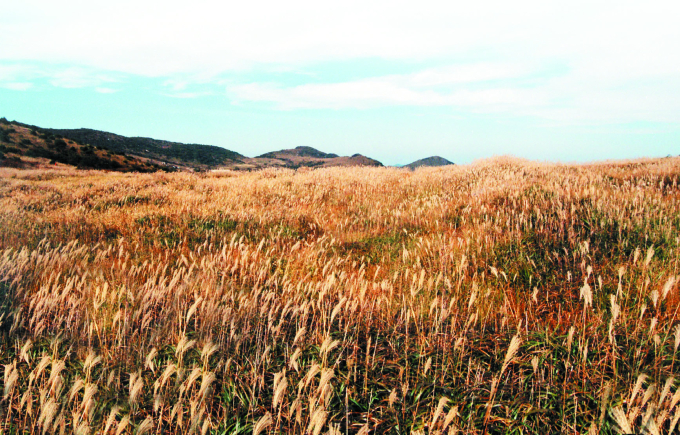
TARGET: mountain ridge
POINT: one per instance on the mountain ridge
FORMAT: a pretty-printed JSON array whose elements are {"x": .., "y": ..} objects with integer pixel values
[
  {"x": 173, "y": 153},
  {"x": 301, "y": 151},
  {"x": 24, "y": 146},
  {"x": 205, "y": 157},
  {"x": 429, "y": 161},
  {"x": 168, "y": 155},
  {"x": 305, "y": 156}
]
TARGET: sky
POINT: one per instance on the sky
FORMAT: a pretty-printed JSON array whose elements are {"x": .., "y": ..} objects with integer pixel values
[{"x": 394, "y": 80}]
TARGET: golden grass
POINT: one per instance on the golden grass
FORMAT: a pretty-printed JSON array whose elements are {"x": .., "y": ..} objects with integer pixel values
[{"x": 502, "y": 297}]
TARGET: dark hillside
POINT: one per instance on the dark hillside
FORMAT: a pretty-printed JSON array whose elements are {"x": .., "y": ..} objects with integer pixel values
[
  {"x": 301, "y": 151},
  {"x": 430, "y": 161},
  {"x": 172, "y": 152},
  {"x": 167, "y": 154},
  {"x": 307, "y": 157},
  {"x": 24, "y": 146}
]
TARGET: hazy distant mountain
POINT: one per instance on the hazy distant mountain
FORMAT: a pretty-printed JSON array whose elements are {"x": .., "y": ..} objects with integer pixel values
[{"x": 429, "y": 161}]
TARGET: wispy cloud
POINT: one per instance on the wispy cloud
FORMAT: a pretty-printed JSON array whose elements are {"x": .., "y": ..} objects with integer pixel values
[
  {"x": 77, "y": 77},
  {"x": 12, "y": 72},
  {"x": 105, "y": 90},
  {"x": 23, "y": 75},
  {"x": 16, "y": 86},
  {"x": 366, "y": 94},
  {"x": 187, "y": 94},
  {"x": 430, "y": 87},
  {"x": 564, "y": 96},
  {"x": 158, "y": 40},
  {"x": 619, "y": 60}
]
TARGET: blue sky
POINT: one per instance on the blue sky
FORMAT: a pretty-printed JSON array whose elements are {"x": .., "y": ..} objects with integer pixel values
[{"x": 396, "y": 81}]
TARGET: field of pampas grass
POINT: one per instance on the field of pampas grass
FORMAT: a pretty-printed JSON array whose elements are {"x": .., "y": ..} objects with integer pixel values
[{"x": 503, "y": 297}]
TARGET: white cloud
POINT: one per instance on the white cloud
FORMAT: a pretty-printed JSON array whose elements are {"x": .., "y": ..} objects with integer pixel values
[
  {"x": 565, "y": 97},
  {"x": 77, "y": 77},
  {"x": 24, "y": 75},
  {"x": 17, "y": 77},
  {"x": 187, "y": 94},
  {"x": 612, "y": 50},
  {"x": 17, "y": 86},
  {"x": 468, "y": 73},
  {"x": 158, "y": 37},
  {"x": 14, "y": 72},
  {"x": 359, "y": 94},
  {"x": 102, "y": 90},
  {"x": 176, "y": 84},
  {"x": 418, "y": 89}
]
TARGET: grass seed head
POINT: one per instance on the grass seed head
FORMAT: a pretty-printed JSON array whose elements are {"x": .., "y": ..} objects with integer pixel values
[{"x": 623, "y": 425}]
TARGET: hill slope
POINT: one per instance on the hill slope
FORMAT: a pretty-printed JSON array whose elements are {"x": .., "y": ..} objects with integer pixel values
[
  {"x": 429, "y": 161},
  {"x": 298, "y": 152},
  {"x": 180, "y": 154},
  {"x": 24, "y": 147},
  {"x": 172, "y": 155},
  {"x": 303, "y": 157}
]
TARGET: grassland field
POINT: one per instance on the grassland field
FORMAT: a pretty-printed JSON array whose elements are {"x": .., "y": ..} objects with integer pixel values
[{"x": 502, "y": 297}]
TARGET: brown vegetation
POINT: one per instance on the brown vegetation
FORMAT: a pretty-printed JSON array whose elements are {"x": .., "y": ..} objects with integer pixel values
[
  {"x": 300, "y": 157},
  {"x": 501, "y": 297},
  {"x": 25, "y": 147},
  {"x": 429, "y": 161}
]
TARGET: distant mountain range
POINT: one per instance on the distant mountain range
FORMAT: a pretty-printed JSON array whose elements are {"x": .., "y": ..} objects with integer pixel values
[{"x": 147, "y": 154}]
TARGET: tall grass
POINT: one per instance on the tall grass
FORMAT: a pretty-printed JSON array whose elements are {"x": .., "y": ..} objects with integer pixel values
[{"x": 501, "y": 297}]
